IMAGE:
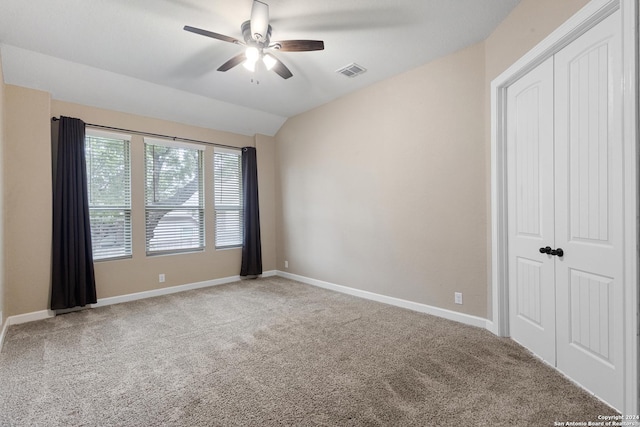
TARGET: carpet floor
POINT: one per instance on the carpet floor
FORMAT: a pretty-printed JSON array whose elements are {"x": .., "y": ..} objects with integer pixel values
[{"x": 272, "y": 352}]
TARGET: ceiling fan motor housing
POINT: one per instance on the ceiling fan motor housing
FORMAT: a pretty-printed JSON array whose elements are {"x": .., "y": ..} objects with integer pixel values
[{"x": 257, "y": 40}]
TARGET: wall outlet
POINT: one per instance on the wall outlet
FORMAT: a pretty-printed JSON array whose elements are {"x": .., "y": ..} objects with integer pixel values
[
  {"x": 286, "y": 264},
  {"x": 161, "y": 278},
  {"x": 457, "y": 297}
]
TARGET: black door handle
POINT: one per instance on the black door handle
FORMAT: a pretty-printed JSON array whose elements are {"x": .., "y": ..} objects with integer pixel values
[{"x": 557, "y": 252}]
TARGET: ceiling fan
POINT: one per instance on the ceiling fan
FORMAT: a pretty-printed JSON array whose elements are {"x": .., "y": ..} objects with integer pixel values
[{"x": 257, "y": 39}]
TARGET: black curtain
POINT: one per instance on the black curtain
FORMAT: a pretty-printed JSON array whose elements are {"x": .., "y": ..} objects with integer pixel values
[
  {"x": 251, "y": 247},
  {"x": 72, "y": 277}
]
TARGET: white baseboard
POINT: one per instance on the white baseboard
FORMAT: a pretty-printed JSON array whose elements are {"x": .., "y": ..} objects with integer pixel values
[
  {"x": 171, "y": 290},
  {"x": 415, "y": 306},
  {"x": 3, "y": 332},
  {"x": 163, "y": 291},
  {"x": 30, "y": 317},
  {"x": 492, "y": 327}
]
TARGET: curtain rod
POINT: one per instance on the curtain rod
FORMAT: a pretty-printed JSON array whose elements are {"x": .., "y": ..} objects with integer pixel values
[{"x": 157, "y": 135}]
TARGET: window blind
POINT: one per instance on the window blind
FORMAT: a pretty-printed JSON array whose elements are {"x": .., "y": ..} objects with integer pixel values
[
  {"x": 109, "y": 186},
  {"x": 227, "y": 167},
  {"x": 174, "y": 201}
]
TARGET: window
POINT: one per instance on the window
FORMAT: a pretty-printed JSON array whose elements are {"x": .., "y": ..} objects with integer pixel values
[
  {"x": 174, "y": 201},
  {"x": 109, "y": 188},
  {"x": 227, "y": 184}
]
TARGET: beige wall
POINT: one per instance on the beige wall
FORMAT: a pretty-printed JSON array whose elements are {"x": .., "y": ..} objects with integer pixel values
[
  {"x": 28, "y": 201},
  {"x": 266, "y": 157},
  {"x": 383, "y": 190},
  {"x": 3, "y": 308},
  {"x": 387, "y": 189},
  {"x": 526, "y": 26}
]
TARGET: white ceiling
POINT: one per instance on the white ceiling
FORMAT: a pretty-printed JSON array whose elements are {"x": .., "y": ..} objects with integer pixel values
[{"x": 134, "y": 56}]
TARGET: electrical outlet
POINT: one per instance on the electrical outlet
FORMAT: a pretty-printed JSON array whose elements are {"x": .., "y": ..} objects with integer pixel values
[
  {"x": 457, "y": 297},
  {"x": 161, "y": 278},
  {"x": 286, "y": 264}
]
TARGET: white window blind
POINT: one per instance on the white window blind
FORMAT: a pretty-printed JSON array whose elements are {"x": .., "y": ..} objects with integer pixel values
[
  {"x": 227, "y": 167},
  {"x": 109, "y": 191},
  {"x": 174, "y": 200}
]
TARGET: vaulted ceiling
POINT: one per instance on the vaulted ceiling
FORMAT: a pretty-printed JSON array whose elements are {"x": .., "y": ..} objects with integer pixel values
[{"x": 134, "y": 56}]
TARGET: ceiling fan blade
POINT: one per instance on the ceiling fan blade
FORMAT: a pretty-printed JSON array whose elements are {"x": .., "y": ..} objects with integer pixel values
[
  {"x": 299, "y": 45},
  {"x": 212, "y": 34},
  {"x": 236, "y": 60},
  {"x": 281, "y": 69},
  {"x": 259, "y": 20}
]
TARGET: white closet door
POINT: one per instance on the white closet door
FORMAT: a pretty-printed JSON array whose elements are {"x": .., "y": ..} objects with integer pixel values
[
  {"x": 531, "y": 212},
  {"x": 589, "y": 211}
]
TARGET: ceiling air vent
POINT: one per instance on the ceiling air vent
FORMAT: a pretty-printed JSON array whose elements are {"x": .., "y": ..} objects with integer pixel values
[{"x": 352, "y": 70}]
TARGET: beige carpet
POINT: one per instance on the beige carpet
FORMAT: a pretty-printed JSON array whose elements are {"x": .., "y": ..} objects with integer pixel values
[{"x": 274, "y": 352}]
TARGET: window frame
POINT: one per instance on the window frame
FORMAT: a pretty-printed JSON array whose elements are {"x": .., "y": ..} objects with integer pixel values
[
  {"x": 126, "y": 208},
  {"x": 201, "y": 231},
  {"x": 228, "y": 208}
]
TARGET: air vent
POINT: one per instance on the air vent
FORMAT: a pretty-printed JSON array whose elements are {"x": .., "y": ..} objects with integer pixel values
[{"x": 352, "y": 70}]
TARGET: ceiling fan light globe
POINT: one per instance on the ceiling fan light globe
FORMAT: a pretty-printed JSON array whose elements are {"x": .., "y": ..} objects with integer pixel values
[
  {"x": 269, "y": 61},
  {"x": 249, "y": 65},
  {"x": 252, "y": 54}
]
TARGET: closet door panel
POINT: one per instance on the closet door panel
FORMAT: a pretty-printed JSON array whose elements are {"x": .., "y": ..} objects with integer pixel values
[
  {"x": 589, "y": 209},
  {"x": 531, "y": 221}
]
